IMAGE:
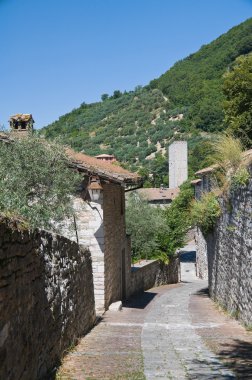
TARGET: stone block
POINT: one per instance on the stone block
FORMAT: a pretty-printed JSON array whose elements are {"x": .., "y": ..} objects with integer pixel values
[{"x": 116, "y": 306}]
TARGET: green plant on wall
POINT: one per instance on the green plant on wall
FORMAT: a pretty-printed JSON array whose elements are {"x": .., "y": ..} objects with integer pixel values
[
  {"x": 232, "y": 169},
  {"x": 227, "y": 153},
  {"x": 240, "y": 178},
  {"x": 205, "y": 212}
]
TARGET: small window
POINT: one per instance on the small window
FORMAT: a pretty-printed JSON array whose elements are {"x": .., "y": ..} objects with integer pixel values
[{"x": 23, "y": 125}]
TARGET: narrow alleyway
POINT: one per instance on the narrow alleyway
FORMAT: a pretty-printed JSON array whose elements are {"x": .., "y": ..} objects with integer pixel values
[{"x": 171, "y": 332}]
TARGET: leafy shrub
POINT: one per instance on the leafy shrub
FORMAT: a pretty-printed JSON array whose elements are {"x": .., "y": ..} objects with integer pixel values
[
  {"x": 178, "y": 221},
  {"x": 144, "y": 223},
  {"x": 205, "y": 212}
]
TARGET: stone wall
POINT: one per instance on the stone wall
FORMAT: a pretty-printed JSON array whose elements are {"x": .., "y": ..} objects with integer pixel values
[
  {"x": 88, "y": 229},
  {"x": 115, "y": 236},
  {"x": 229, "y": 253},
  {"x": 150, "y": 273},
  {"x": 201, "y": 255},
  {"x": 46, "y": 301},
  {"x": 101, "y": 227}
]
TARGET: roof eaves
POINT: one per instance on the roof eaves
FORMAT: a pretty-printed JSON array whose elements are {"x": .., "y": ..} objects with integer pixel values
[
  {"x": 118, "y": 178},
  {"x": 196, "y": 181}
]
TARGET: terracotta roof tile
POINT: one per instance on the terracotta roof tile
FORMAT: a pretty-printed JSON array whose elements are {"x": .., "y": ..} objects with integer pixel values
[{"x": 102, "y": 168}]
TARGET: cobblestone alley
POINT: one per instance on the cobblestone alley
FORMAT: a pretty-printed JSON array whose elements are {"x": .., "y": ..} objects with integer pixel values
[{"x": 170, "y": 332}]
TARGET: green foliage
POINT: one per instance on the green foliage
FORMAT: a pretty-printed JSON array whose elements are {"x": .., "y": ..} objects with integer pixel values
[
  {"x": 155, "y": 172},
  {"x": 35, "y": 181},
  {"x": 177, "y": 219},
  {"x": 237, "y": 88},
  {"x": 200, "y": 155},
  {"x": 104, "y": 97},
  {"x": 117, "y": 94},
  {"x": 205, "y": 212},
  {"x": 228, "y": 154},
  {"x": 144, "y": 223},
  {"x": 240, "y": 178},
  {"x": 130, "y": 124},
  {"x": 195, "y": 82}
]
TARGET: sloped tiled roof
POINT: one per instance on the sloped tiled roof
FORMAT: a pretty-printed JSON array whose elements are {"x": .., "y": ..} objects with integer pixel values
[
  {"x": 158, "y": 194},
  {"x": 207, "y": 170},
  {"x": 103, "y": 169}
]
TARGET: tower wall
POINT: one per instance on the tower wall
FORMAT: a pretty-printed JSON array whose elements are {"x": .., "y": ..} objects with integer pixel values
[{"x": 178, "y": 166}]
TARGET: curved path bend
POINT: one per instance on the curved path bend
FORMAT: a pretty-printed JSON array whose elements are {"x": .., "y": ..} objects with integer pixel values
[{"x": 170, "y": 332}]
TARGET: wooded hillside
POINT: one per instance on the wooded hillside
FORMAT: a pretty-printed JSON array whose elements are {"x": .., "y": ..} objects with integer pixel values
[{"x": 184, "y": 103}]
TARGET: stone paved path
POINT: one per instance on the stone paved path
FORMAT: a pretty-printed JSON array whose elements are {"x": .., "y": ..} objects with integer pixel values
[
  {"x": 171, "y": 346},
  {"x": 170, "y": 332}
]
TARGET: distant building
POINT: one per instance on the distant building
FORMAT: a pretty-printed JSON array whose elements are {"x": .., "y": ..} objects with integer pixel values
[
  {"x": 206, "y": 181},
  {"x": 106, "y": 157},
  {"x": 158, "y": 196},
  {"x": 178, "y": 166},
  {"x": 21, "y": 124}
]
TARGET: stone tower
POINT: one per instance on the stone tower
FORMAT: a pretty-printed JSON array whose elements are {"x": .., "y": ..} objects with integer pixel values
[
  {"x": 21, "y": 125},
  {"x": 178, "y": 167}
]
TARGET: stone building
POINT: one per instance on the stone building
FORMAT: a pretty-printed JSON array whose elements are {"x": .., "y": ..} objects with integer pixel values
[
  {"x": 100, "y": 225},
  {"x": 106, "y": 157},
  {"x": 178, "y": 167},
  {"x": 197, "y": 183},
  {"x": 21, "y": 125},
  {"x": 206, "y": 181}
]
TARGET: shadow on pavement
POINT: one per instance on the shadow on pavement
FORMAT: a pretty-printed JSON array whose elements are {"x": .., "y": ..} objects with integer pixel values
[
  {"x": 204, "y": 292},
  {"x": 238, "y": 356},
  {"x": 209, "y": 370},
  {"x": 139, "y": 301}
]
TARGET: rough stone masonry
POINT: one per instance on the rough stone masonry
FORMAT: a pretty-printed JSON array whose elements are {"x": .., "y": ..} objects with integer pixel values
[
  {"x": 229, "y": 253},
  {"x": 46, "y": 301}
]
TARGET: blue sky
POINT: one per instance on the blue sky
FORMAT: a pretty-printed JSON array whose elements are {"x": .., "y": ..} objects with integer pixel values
[{"x": 56, "y": 54}]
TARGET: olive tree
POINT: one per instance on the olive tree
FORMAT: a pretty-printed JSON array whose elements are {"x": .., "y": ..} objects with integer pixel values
[{"x": 36, "y": 182}]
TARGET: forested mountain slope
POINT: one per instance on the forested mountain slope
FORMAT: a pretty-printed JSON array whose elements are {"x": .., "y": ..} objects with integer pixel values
[
  {"x": 195, "y": 82},
  {"x": 186, "y": 102}
]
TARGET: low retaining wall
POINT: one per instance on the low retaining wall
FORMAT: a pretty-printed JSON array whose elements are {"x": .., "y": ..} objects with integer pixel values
[
  {"x": 46, "y": 301},
  {"x": 150, "y": 273}
]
